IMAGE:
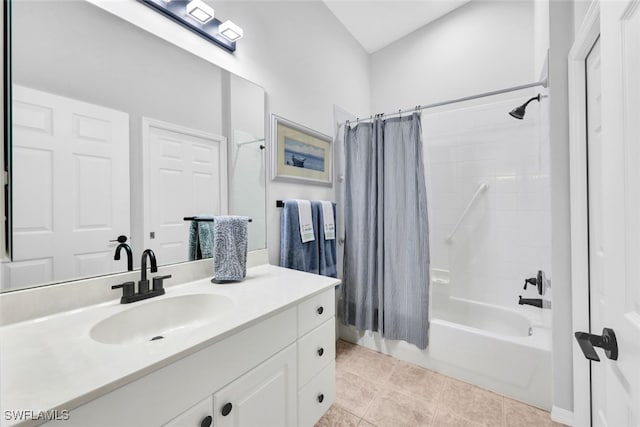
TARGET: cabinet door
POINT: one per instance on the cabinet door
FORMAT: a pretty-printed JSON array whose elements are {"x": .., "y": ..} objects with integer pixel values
[
  {"x": 265, "y": 396},
  {"x": 199, "y": 415}
]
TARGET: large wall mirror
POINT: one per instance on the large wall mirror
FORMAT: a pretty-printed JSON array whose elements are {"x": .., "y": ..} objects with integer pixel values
[{"x": 118, "y": 132}]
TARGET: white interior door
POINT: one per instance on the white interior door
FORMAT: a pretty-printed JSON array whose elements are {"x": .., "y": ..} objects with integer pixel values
[
  {"x": 185, "y": 175},
  {"x": 613, "y": 133},
  {"x": 70, "y": 188}
]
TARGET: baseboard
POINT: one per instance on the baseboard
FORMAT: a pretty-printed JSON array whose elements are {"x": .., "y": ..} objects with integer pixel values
[{"x": 562, "y": 416}]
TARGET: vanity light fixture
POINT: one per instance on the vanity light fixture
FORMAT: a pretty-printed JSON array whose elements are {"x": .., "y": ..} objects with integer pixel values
[
  {"x": 197, "y": 16},
  {"x": 230, "y": 30},
  {"x": 200, "y": 11}
]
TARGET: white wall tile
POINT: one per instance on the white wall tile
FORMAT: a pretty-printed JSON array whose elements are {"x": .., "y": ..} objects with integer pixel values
[{"x": 506, "y": 236}]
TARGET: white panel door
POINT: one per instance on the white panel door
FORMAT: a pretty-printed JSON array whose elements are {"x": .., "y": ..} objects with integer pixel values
[
  {"x": 614, "y": 216},
  {"x": 185, "y": 175},
  {"x": 70, "y": 188}
]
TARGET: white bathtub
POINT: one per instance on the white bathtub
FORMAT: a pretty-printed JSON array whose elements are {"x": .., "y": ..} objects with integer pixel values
[{"x": 494, "y": 347}]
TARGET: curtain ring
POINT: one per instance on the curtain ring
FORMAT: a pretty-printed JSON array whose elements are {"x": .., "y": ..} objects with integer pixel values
[{"x": 400, "y": 113}]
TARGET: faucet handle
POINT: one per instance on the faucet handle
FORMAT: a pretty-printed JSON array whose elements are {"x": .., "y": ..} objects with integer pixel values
[
  {"x": 531, "y": 281},
  {"x": 128, "y": 288},
  {"x": 157, "y": 282}
]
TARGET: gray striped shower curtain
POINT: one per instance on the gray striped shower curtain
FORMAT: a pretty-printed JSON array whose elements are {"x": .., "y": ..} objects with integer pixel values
[{"x": 386, "y": 251}]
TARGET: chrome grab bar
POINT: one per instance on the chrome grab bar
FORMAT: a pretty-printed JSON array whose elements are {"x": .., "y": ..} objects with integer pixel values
[{"x": 481, "y": 189}]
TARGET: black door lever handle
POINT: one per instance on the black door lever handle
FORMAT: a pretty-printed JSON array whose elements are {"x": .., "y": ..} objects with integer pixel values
[{"x": 607, "y": 341}]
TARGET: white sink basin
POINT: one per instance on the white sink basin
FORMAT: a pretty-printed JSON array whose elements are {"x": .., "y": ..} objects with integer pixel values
[{"x": 160, "y": 319}]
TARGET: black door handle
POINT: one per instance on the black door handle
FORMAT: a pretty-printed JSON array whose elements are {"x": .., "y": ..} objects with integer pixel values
[{"x": 607, "y": 341}]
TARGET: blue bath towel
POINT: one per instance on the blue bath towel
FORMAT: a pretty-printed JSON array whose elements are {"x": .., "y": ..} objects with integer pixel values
[
  {"x": 201, "y": 238},
  {"x": 327, "y": 248},
  {"x": 293, "y": 253},
  {"x": 230, "y": 248}
]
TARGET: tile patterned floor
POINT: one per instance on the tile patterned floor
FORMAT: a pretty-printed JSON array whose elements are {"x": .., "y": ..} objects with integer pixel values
[{"x": 375, "y": 390}]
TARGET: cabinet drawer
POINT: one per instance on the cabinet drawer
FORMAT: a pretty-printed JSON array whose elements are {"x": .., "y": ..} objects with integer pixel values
[
  {"x": 194, "y": 416},
  {"x": 316, "y": 350},
  {"x": 316, "y": 397},
  {"x": 315, "y": 311}
]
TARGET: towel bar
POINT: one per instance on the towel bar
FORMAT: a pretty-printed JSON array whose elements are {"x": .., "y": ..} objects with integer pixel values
[{"x": 195, "y": 218}]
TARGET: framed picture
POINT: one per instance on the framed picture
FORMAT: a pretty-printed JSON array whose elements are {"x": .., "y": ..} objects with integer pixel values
[{"x": 300, "y": 154}]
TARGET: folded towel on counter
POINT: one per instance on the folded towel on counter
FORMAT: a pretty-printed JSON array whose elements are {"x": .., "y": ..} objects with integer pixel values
[
  {"x": 327, "y": 258},
  {"x": 305, "y": 221},
  {"x": 201, "y": 238},
  {"x": 293, "y": 252},
  {"x": 230, "y": 248},
  {"x": 328, "y": 220}
]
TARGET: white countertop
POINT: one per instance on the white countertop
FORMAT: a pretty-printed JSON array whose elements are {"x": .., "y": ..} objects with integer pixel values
[{"x": 52, "y": 363}]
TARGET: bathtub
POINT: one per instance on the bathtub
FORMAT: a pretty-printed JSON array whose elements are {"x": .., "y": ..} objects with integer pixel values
[
  {"x": 494, "y": 347},
  {"x": 504, "y": 350}
]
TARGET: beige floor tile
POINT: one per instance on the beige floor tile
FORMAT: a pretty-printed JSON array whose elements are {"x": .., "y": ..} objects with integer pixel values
[
  {"x": 444, "y": 418},
  {"x": 393, "y": 409},
  {"x": 343, "y": 350},
  {"x": 353, "y": 392},
  {"x": 472, "y": 403},
  {"x": 369, "y": 364},
  {"x": 522, "y": 415},
  {"x": 338, "y": 417},
  {"x": 417, "y": 382},
  {"x": 364, "y": 423}
]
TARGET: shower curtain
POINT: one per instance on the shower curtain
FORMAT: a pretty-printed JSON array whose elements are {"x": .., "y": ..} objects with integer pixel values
[{"x": 386, "y": 253}]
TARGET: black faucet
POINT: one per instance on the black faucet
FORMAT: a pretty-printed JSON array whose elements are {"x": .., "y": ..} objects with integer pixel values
[
  {"x": 143, "y": 285},
  {"x": 536, "y": 302},
  {"x": 128, "y": 288},
  {"x": 127, "y": 249}
]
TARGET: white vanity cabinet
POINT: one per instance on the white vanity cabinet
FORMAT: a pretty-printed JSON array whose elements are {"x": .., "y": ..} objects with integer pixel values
[
  {"x": 264, "y": 396},
  {"x": 277, "y": 372}
]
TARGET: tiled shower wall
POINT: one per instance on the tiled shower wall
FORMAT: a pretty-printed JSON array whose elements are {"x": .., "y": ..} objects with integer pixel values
[{"x": 506, "y": 235}]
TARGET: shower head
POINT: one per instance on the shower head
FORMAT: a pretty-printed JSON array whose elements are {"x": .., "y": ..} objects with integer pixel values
[{"x": 518, "y": 112}]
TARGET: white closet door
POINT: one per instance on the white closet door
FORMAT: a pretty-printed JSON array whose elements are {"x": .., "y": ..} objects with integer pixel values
[
  {"x": 70, "y": 188},
  {"x": 185, "y": 175}
]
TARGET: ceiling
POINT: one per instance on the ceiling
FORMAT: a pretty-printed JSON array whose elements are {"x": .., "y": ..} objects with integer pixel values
[{"x": 378, "y": 23}]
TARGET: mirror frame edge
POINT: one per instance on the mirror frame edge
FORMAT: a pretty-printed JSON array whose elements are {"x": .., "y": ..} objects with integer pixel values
[{"x": 5, "y": 153}]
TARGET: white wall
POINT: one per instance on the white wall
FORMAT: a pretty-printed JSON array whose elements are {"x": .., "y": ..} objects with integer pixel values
[
  {"x": 560, "y": 40},
  {"x": 541, "y": 36},
  {"x": 303, "y": 57},
  {"x": 479, "y": 47}
]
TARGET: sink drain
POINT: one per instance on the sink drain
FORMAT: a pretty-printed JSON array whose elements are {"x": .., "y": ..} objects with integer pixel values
[{"x": 159, "y": 337}]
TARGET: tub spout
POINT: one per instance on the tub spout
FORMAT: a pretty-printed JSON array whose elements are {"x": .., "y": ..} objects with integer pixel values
[{"x": 536, "y": 302}]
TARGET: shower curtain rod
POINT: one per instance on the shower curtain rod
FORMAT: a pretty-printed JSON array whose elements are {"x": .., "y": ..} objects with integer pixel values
[{"x": 542, "y": 83}]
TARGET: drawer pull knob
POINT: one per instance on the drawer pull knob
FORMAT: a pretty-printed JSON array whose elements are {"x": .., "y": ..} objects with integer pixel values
[
  {"x": 320, "y": 397},
  {"x": 226, "y": 409},
  {"x": 320, "y": 310},
  {"x": 320, "y": 351},
  {"x": 206, "y": 421}
]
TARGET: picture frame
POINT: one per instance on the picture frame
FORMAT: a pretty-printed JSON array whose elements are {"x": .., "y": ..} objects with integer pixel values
[{"x": 300, "y": 154}]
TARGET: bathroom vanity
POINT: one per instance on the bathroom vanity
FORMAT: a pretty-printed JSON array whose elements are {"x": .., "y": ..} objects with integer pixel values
[{"x": 256, "y": 353}]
